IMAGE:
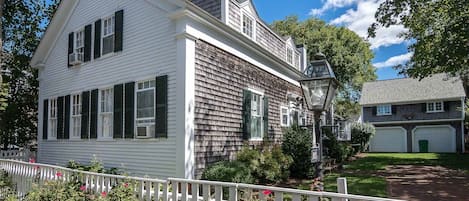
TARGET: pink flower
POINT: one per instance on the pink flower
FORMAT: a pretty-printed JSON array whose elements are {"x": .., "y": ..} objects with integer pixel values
[
  {"x": 266, "y": 192},
  {"x": 103, "y": 194},
  {"x": 36, "y": 167},
  {"x": 83, "y": 188},
  {"x": 59, "y": 174},
  {"x": 32, "y": 160},
  {"x": 126, "y": 185}
]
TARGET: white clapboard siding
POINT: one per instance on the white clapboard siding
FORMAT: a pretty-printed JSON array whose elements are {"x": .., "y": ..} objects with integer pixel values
[{"x": 149, "y": 50}]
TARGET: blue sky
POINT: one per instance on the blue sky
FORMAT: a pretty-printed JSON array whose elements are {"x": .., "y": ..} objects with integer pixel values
[{"x": 356, "y": 15}]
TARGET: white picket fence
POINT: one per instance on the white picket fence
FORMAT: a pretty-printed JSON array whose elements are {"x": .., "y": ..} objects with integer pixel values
[{"x": 24, "y": 174}]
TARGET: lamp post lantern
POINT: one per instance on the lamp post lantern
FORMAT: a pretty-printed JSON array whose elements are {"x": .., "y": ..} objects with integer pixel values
[{"x": 318, "y": 91}]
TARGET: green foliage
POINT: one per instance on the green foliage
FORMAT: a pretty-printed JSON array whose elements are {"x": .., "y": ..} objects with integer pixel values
[
  {"x": 361, "y": 134},
  {"x": 95, "y": 166},
  {"x": 7, "y": 187},
  {"x": 297, "y": 144},
  {"x": 340, "y": 151},
  {"x": 349, "y": 55},
  {"x": 438, "y": 31},
  {"x": 229, "y": 171}
]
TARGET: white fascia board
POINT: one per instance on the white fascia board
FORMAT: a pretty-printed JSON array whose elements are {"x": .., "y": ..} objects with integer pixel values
[
  {"x": 409, "y": 102},
  {"x": 412, "y": 121}
]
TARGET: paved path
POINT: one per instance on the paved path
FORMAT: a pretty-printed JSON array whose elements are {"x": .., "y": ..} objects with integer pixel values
[{"x": 426, "y": 183}]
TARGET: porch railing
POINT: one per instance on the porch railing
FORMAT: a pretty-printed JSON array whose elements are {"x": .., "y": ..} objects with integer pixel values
[
  {"x": 22, "y": 155},
  {"x": 24, "y": 174}
]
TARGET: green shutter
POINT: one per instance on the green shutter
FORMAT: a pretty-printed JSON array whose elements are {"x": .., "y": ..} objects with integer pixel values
[
  {"x": 60, "y": 117},
  {"x": 85, "y": 114},
  {"x": 246, "y": 114},
  {"x": 45, "y": 119},
  {"x": 67, "y": 118},
  {"x": 118, "y": 110},
  {"x": 94, "y": 114},
  {"x": 266, "y": 117},
  {"x": 161, "y": 105},
  {"x": 129, "y": 110}
]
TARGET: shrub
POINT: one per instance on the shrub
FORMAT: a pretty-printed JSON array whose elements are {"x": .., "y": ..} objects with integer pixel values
[
  {"x": 297, "y": 144},
  {"x": 228, "y": 171},
  {"x": 361, "y": 134},
  {"x": 340, "y": 151},
  {"x": 95, "y": 166}
]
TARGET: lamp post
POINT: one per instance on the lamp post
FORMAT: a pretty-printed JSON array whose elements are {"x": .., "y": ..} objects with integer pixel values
[{"x": 318, "y": 91}]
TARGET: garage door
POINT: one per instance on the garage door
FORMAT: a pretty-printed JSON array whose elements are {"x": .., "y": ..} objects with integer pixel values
[
  {"x": 440, "y": 138},
  {"x": 389, "y": 140}
]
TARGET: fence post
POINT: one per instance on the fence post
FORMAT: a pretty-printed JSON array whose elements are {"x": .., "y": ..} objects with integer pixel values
[{"x": 342, "y": 186}]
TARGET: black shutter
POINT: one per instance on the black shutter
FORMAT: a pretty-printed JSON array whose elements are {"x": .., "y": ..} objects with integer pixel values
[
  {"x": 60, "y": 117},
  {"x": 295, "y": 117},
  {"x": 374, "y": 110},
  {"x": 424, "y": 107},
  {"x": 118, "y": 30},
  {"x": 87, "y": 53},
  {"x": 45, "y": 119},
  {"x": 246, "y": 114},
  {"x": 161, "y": 104},
  {"x": 97, "y": 39},
  {"x": 393, "y": 109},
  {"x": 70, "y": 47},
  {"x": 94, "y": 114},
  {"x": 67, "y": 118},
  {"x": 266, "y": 116},
  {"x": 446, "y": 106},
  {"x": 85, "y": 114},
  {"x": 118, "y": 110},
  {"x": 129, "y": 110}
]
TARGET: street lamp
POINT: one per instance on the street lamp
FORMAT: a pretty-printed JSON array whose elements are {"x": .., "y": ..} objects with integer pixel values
[{"x": 318, "y": 91}]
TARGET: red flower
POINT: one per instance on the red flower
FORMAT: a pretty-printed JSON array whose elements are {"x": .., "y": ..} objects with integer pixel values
[
  {"x": 83, "y": 188},
  {"x": 32, "y": 160},
  {"x": 266, "y": 192},
  {"x": 103, "y": 194},
  {"x": 126, "y": 185},
  {"x": 59, "y": 174},
  {"x": 36, "y": 167}
]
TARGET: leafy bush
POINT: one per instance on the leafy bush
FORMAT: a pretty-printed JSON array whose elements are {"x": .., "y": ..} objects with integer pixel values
[
  {"x": 361, "y": 134},
  {"x": 7, "y": 187},
  {"x": 340, "y": 151},
  {"x": 95, "y": 166},
  {"x": 229, "y": 171},
  {"x": 297, "y": 144}
]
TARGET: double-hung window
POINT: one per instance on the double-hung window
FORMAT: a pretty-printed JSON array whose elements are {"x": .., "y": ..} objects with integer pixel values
[
  {"x": 145, "y": 108},
  {"x": 256, "y": 116},
  {"x": 382, "y": 110},
  {"x": 79, "y": 48},
  {"x": 53, "y": 118},
  {"x": 76, "y": 116},
  {"x": 284, "y": 120},
  {"x": 108, "y": 35},
  {"x": 302, "y": 118},
  {"x": 435, "y": 106},
  {"x": 106, "y": 108},
  {"x": 248, "y": 26},
  {"x": 290, "y": 55}
]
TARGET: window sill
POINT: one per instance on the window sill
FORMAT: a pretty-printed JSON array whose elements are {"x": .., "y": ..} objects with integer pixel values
[
  {"x": 105, "y": 140},
  {"x": 435, "y": 111},
  {"x": 383, "y": 115},
  {"x": 255, "y": 139}
]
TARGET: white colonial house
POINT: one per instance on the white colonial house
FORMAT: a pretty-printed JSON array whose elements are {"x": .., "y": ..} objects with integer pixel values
[{"x": 163, "y": 87}]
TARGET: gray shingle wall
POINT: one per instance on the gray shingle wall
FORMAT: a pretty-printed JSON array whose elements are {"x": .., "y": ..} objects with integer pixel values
[
  {"x": 211, "y": 6},
  {"x": 270, "y": 42},
  {"x": 413, "y": 112}
]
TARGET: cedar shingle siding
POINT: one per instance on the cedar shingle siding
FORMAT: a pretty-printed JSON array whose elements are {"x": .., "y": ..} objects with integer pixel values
[
  {"x": 220, "y": 80},
  {"x": 211, "y": 6}
]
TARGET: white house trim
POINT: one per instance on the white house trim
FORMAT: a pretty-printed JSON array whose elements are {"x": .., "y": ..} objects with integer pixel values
[
  {"x": 413, "y": 121},
  {"x": 413, "y": 102},
  {"x": 453, "y": 132}
]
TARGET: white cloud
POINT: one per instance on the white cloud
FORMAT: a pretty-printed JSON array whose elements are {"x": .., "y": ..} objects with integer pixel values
[
  {"x": 329, "y": 4},
  {"x": 395, "y": 60}
]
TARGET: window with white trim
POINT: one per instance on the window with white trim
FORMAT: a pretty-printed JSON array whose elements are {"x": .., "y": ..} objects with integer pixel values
[
  {"x": 80, "y": 43},
  {"x": 53, "y": 118},
  {"x": 435, "y": 106},
  {"x": 248, "y": 26},
  {"x": 297, "y": 61},
  {"x": 108, "y": 35},
  {"x": 76, "y": 116},
  {"x": 302, "y": 118},
  {"x": 106, "y": 108},
  {"x": 294, "y": 116},
  {"x": 284, "y": 116},
  {"x": 382, "y": 110},
  {"x": 145, "y": 120},
  {"x": 290, "y": 55},
  {"x": 256, "y": 116}
]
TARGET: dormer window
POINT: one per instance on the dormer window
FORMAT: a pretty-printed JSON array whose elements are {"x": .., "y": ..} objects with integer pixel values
[
  {"x": 248, "y": 26},
  {"x": 382, "y": 110},
  {"x": 290, "y": 55},
  {"x": 435, "y": 107},
  {"x": 108, "y": 35}
]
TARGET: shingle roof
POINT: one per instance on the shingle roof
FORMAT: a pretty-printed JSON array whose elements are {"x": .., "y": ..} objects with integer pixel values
[{"x": 439, "y": 86}]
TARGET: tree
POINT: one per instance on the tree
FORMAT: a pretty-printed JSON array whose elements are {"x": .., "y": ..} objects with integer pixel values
[
  {"x": 23, "y": 24},
  {"x": 349, "y": 55},
  {"x": 439, "y": 31}
]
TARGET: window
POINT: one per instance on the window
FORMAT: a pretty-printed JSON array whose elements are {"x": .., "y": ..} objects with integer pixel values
[
  {"x": 108, "y": 35},
  {"x": 76, "y": 116},
  {"x": 53, "y": 119},
  {"x": 302, "y": 118},
  {"x": 289, "y": 55},
  {"x": 256, "y": 116},
  {"x": 145, "y": 108},
  {"x": 383, "y": 110},
  {"x": 435, "y": 107},
  {"x": 294, "y": 117},
  {"x": 297, "y": 60},
  {"x": 80, "y": 44},
  {"x": 284, "y": 116},
  {"x": 106, "y": 106},
  {"x": 248, "y": 26}
]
